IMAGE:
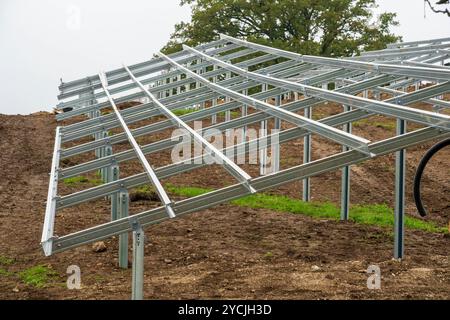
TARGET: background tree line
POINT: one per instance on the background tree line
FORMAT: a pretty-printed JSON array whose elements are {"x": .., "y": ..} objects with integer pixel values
[{"x": 317, "y": 27}]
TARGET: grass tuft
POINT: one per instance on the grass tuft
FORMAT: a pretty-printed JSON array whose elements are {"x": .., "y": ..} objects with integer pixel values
[
  {"x": 377, "y": 214},
  {"x": 81, "y": 180},
  {"x": 37, "y": 276}
]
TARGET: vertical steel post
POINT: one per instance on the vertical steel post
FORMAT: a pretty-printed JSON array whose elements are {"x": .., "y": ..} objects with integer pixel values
[
  {"x": 137, "y": 285},
  {"x": 123, "y": 238},
  {"x": 227, "y": 99},
  {"x": 307, "y": 158},
  {"x": 400, "y": 167},
  {"x": 345, "y": 183},
  {"x": 106, "y": 151},
  {"x": 263, "y": 133},
  {"x": 244, "y": 111},
  {"x": 114, "y": 174},
  {"x": 276, "y": 149},
  {"x": 214, "y": 102}
]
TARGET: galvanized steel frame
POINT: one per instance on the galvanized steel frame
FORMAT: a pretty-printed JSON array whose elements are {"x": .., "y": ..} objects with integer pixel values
[{"x": 288, "y": 72}]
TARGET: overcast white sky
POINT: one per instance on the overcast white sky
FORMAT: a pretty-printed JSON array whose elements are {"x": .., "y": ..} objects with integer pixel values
[{"x": 42, "y": 41}]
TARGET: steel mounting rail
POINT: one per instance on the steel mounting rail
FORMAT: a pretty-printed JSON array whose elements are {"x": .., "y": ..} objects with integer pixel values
[
  {"x": 229, "y": 165},
  {"x": 334, "y": 134},
  {"x": 148, "y": 168},
  {"x": 380, "y": 107}
]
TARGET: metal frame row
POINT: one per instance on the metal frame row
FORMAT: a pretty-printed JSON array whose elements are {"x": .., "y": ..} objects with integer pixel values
[{"x": 227, "y": 70}]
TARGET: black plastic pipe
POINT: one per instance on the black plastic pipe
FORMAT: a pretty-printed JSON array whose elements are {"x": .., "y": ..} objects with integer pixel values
[{"x": 418, "y": 177}]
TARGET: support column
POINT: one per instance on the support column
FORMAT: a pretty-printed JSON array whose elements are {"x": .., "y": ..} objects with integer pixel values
[
  {"x": 114, "y": 173},
  {"x": 244, "y": 112},
  {"x": 307, "y": 158},
  {"x": 203, "y": 71},
  {"x": 123, "y": 238},
  {"x": 214, "y": 102},
  {"x": 345, "y": 184},
  {"x": 105, "y": 152},
  {"x": 263, "y": 151},
  {"x": 227, "y": 99},
  {"x": 137, "y": 285},
  {"x": 400, "y": 167},
  {"x": 276, "y": 148}
]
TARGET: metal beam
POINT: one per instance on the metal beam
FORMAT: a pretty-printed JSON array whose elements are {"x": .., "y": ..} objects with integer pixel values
[
  {"x": 148, "y": 168},
  {"x": 215, "y": 154},
  {"x": 380, "y": 107},
  {"x": 74, "y": 88},
  {"x": 236, "y": 191},
  {"x": 165, "y": 172},
  {"x": 136, "y": 113},
  {"x": 50, "y": 208},
  {"x": 250, "y": 119},
  {"x": 311, "y": 125},
  {"x": 408, "y": 71},
  {"x": 154, "y": 79}
]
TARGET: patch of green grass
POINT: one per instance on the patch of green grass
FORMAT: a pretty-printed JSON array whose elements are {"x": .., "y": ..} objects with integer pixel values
[
  {"x": 186, "y": 191},
  {"x": 80, "y": 180},
  {"x": 388, "y": 125},
  {"x": 378, "y": 214},
  {"x": 234, "y": 114},
  {"x": 37, "y": 276},
  {"x": 145, "y": 192},
  {"x": 6, "y": 261},
  {"x": 182, "y": 112}
]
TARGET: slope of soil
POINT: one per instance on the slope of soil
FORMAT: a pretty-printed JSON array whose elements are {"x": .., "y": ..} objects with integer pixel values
[{"x": 226, "y": 251}]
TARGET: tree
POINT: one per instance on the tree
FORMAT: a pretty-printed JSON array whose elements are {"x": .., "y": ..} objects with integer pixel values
[
  {"x": 318, "y": 27},
  {"x": 438, "y": 7}
]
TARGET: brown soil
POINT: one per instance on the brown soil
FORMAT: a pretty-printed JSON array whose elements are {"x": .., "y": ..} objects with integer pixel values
[{"x": 226, "y": 251}]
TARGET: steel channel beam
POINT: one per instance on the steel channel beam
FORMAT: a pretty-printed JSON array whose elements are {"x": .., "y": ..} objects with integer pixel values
[
  {"x": 152, "y": 112},
  {"x": 137, "y": 273},
  {"x": 236, "y": 191},
  {"x": 118, "y": 75},
  {"x": 399, "y": 212},
  {"x": 380, "y": 107},
  {"x": 417, "y": 43},
  {"x": 163, "y": 88},
  {"x": 174, "y": 169},
  {"x": 165, "y": 124},
  {"x": 154, "y": 79},
  {"x": 311, "y": 125},
  {"x": 80, "y": 111},
  {"x": 50, "y": 208},
  {"x": 235, "y": 123},
  {"x": 441, "y": 103},
  {"x": 390, "y": 56},
  {"x": 148, "y": 168},
  {"x": 144, "y": 111},
  {"x": 76, "y": 84},
  {"x": 148, "y": 128},
  {"x": 400, "y": 51},
  {"x": 217, "y": 155},
  {"x": 408, "y": 71}
]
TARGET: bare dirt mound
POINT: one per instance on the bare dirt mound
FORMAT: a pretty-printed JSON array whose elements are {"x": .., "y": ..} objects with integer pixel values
[{"x": 224, "y": 252}]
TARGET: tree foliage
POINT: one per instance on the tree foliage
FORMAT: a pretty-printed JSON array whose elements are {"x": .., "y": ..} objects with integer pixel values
[
  {"x": 439, "y": 6},
  {"x": 318, "y": 27}
]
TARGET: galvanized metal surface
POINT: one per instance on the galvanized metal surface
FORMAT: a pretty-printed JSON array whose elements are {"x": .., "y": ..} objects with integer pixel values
[{"x": 204, "y": 74}]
